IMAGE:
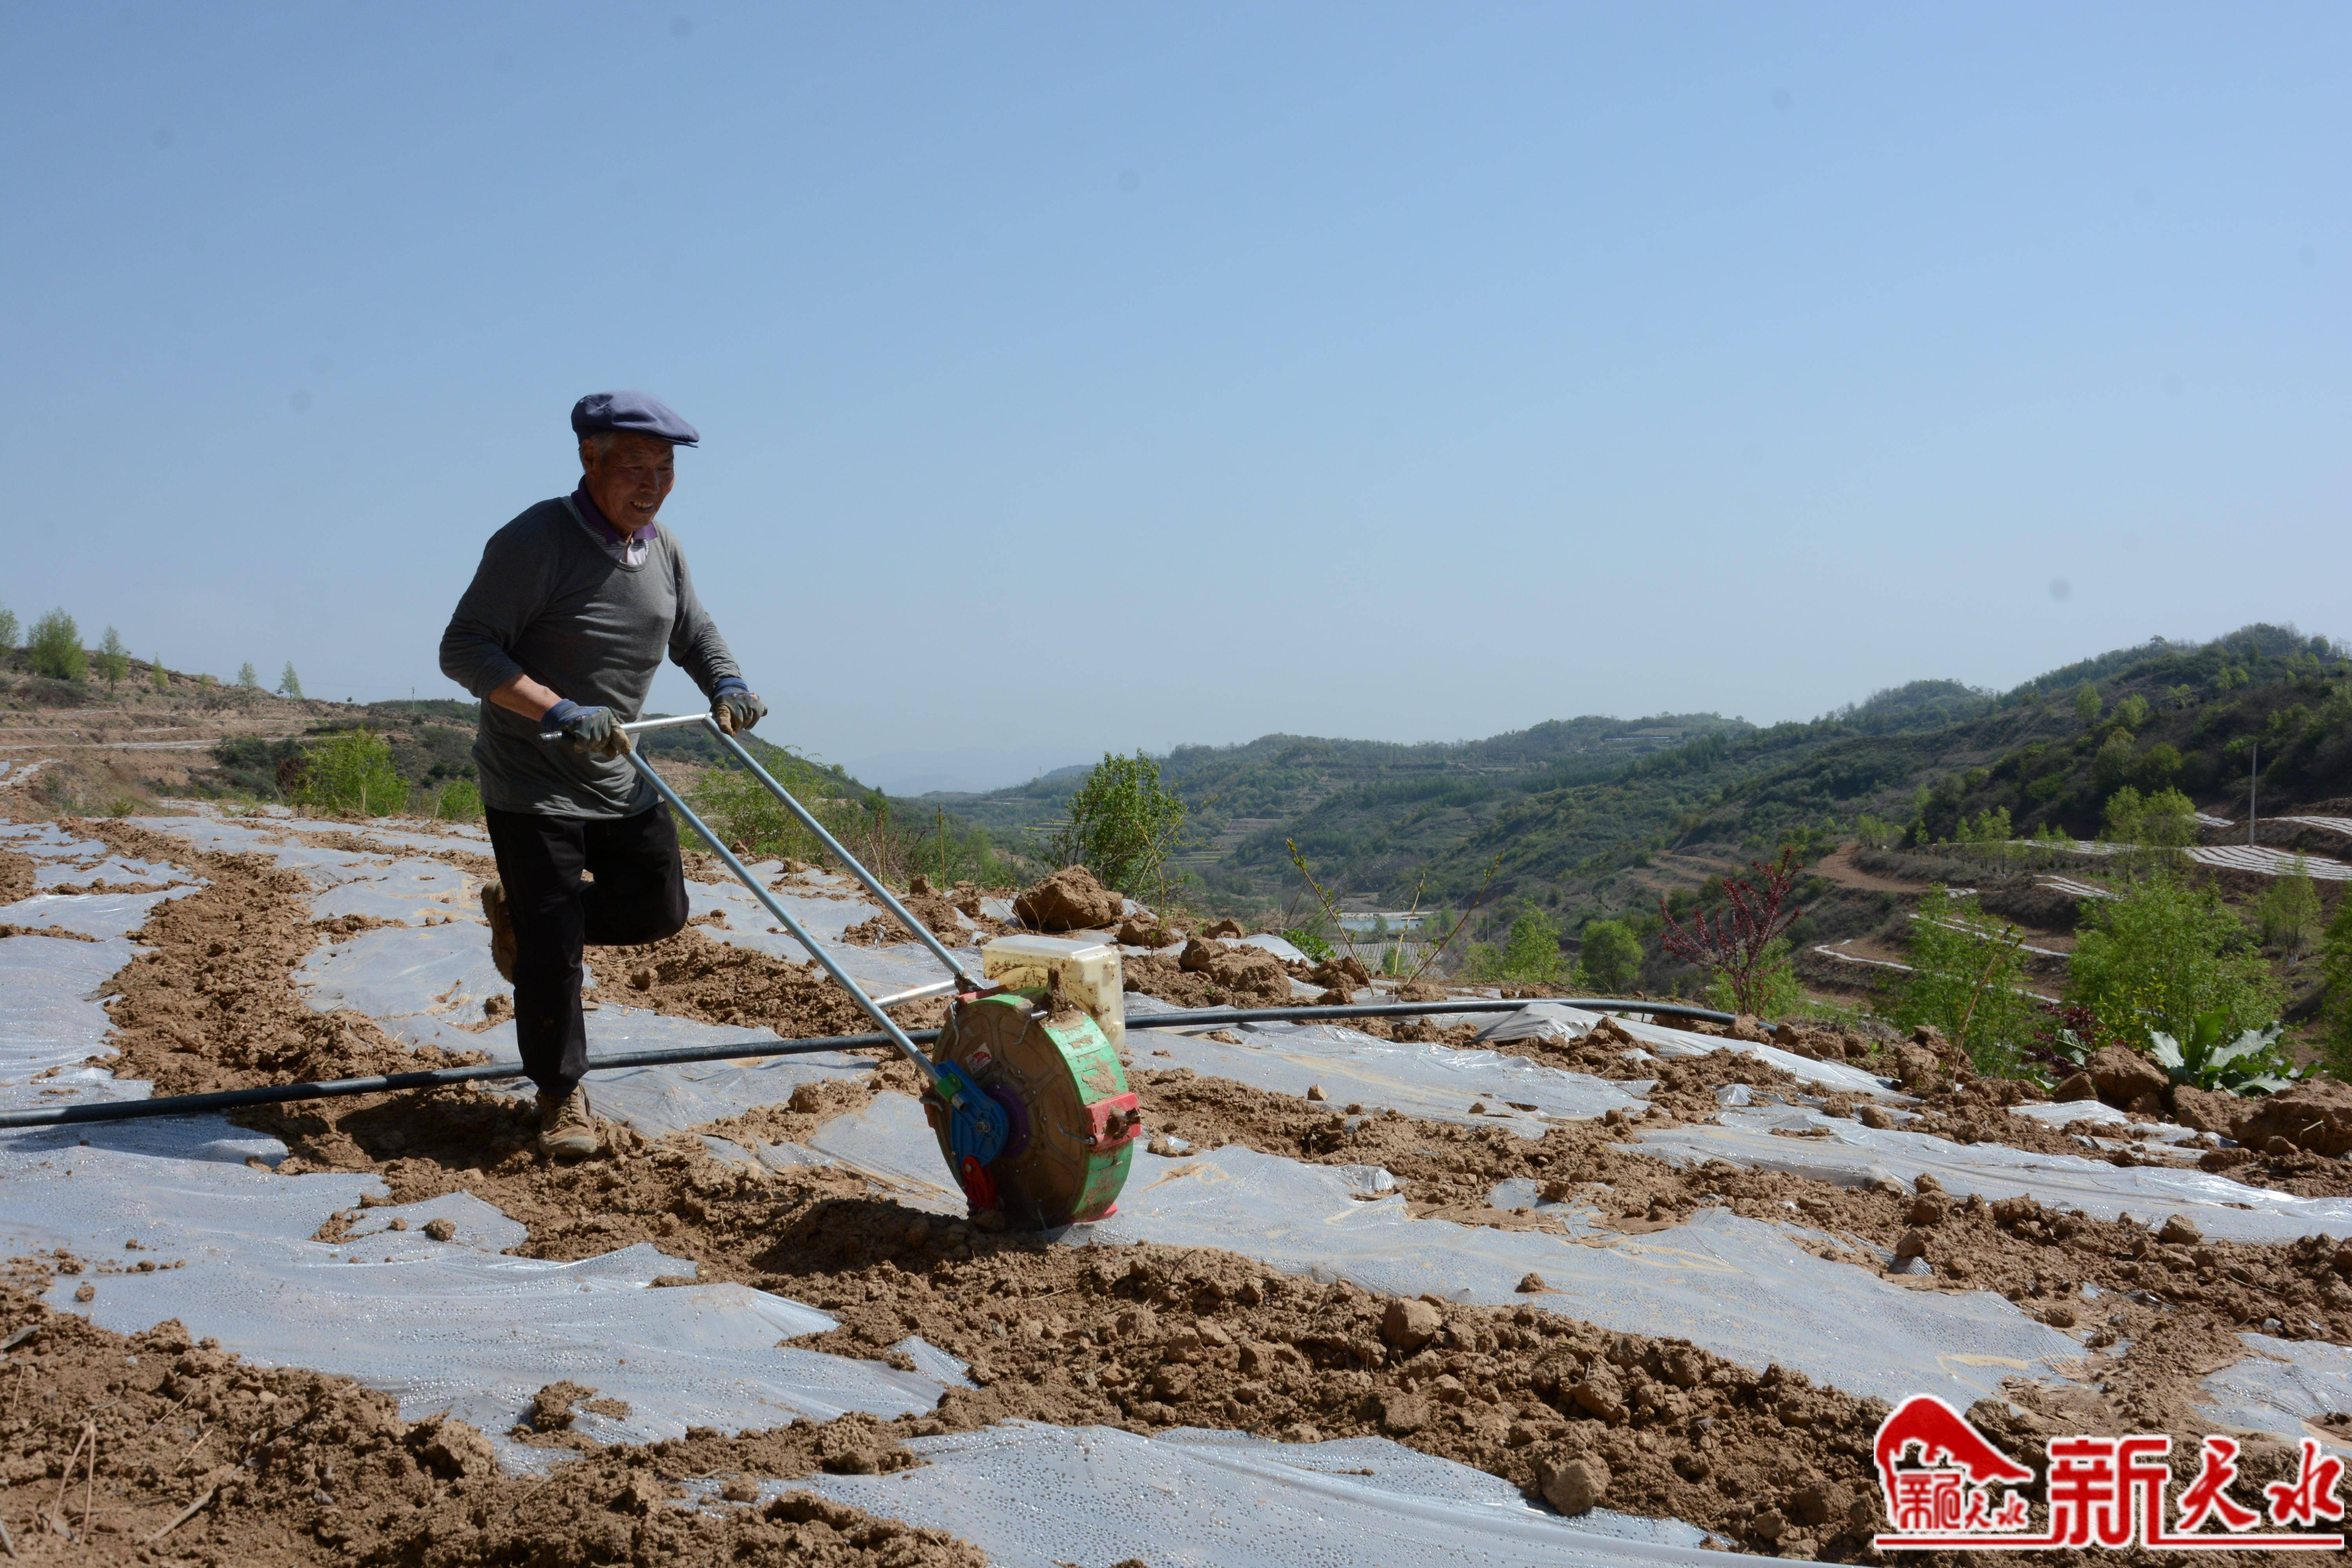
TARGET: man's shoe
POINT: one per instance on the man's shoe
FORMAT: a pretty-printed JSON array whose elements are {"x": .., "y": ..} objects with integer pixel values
[
  {"x": 567, "y": 1130},
  {"x": 502, "y": 942}
]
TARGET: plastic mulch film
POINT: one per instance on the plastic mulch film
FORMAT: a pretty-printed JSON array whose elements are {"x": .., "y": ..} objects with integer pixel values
[
  {"x": 1743, "y": 1289},
  {"x": 2284, "y": 1387},
  {"x": 456, "y": 1326},
  {"x": 1852, "y": 1155},
  {"x": 1418, "y": 1078},
  {"x": 1045, "y": 1497}
]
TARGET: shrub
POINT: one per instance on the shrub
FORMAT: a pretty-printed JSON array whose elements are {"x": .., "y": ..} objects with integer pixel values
[
  {"x": 246, "y": 675},
  {"x": 2132, "y": 713},
  {"x": 1740, "y": 949},
  {"x": 1530, "y": 954},
  {"x": 2335, "y": 966},
  {"x": 1770, "y": 990},
  {"x": 461, "y": 801},
  {"x": 157, "y": 676},
  {"x": 289, "y": 684},
  {"x": 2087, "y": 705},
  {"x": 1123, "y": 824},
  {"x": 1964, "y": 980},
  {"x": 352, "y": 771},
  {"x": 7, "y": 630},
  {"x": 2165, "y": 820},
  {"x": 56, "y": 647},
  {"x": 2165, "y": 955},
  {"x": 1611, "y": 962},
  {"x": 1875, "y": 833},
  {"x": 2289, "y": 912}
]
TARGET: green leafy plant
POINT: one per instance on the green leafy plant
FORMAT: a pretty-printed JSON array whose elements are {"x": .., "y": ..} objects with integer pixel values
[
  {"x": 352, "y": 771},
  {"x": 2166, "y": 820},
  {"x": 246, "y": 675},
  {"x": 1875, "y": 833},
  {"x": 1964, "y": 980},
  {"x": 2087, "y": 704},
  {"x": 7, "y": 630},
  {"x": 461, "y": 801},
  {"x": 1772, "y": 989},
  {"x": 2289, "y": 912},
  {"x": 1309, "y": 941},
  {"x": 2210, "y": 1057},
  {"x": 2336, "y": 967},
  {"x": 157, "y": 676},
  {"x": 1610, "y": 962},
  {"x": 113, "y": 658},
  {"x": 56, "y": 648},
  {"x": 2163, "y": 955},
  {"x": 1123, "y": 824},
  {"x": 1529, "y": 955},
  {"x": 2132, "y": 713},
  {"x": 289, "y": 684}
]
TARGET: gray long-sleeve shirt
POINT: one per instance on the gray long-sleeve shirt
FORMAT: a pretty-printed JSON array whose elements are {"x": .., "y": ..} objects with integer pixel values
[{"x": 547, "y": 603}]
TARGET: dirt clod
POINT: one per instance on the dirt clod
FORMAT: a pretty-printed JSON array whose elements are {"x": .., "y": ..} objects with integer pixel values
[{"x": 1070, "y": 899}]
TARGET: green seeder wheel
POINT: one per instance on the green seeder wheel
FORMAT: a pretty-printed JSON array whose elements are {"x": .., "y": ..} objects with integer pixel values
[{"x": 1072, "y": 1120}]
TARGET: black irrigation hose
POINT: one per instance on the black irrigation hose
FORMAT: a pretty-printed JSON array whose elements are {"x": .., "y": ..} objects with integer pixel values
[{"x": 442, "y": 1077}]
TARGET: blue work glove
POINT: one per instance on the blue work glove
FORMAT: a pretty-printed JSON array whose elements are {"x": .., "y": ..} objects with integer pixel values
[
  {"x": 595, "y": 731},
  {"x": 736, "y": 707}
]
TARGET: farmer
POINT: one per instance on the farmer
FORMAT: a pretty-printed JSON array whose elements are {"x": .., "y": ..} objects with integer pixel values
[{"x": 563, "y": 629}]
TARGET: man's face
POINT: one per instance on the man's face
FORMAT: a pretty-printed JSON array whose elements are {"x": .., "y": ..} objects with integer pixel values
[{"x": 630, "y": 478}]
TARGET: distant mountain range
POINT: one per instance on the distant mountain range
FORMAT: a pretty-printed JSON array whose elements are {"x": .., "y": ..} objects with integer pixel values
[{"x": 1597, "y": 815}]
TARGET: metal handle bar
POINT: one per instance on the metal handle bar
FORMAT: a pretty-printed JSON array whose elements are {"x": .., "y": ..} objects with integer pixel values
[
  {"x": 964, "y": 979},
  {"x": 889, "y": 1026}
]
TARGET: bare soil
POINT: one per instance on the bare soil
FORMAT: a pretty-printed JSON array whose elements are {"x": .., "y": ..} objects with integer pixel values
[{"x": 1142, "y": 1337}]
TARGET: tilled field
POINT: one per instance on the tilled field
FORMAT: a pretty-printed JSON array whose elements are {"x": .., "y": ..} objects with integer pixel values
[{"x": 1143, "y": 1337}]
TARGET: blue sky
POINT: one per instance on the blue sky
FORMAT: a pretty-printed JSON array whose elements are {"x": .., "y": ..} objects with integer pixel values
[{"x": 1090, "y": 377}]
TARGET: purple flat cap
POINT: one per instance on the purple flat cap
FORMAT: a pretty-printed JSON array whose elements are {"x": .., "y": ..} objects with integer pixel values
[{"x": 638, "y": 412}]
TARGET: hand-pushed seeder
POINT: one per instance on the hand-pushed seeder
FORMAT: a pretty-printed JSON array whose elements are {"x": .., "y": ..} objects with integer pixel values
[{"x": 1026, "y": 1091}]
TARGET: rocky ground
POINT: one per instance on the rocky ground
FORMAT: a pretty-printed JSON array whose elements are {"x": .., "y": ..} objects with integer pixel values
[{"x": 294, "y": 1466}]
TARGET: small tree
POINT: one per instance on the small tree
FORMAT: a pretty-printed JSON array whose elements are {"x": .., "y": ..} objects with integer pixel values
[
  {"x": 1964, "y": 980},
  {"x": 113, "y": 658},
  {"x": 2087, "y": 705},
  {"x": 161, "y": 676},
  {"x": 7, "y": 630},
  {"x": 2165, "y": 953},
  {"x": 246, "y": 676},
  {"x": 353, "y": 772},
  {"x": 2131, "y": 712},
  {"x": 1530, "y": 954},
  {"x": 1123, "y": 824},
  {"x": 1609, "y": 963},
  {"x": 2289, "y": 912},
  {"x": 289, "y": 684},
  {"x": 56, "y": 647},
  {"x": 1740, "y": 949}
]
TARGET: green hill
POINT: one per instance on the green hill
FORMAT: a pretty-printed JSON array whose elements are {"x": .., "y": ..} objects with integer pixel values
[{"x": 1596, "y": 815}]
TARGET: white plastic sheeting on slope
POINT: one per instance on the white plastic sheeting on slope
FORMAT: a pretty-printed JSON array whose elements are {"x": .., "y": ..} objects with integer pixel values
[
  {"x": 1672, "y": 1043},
  {"x": 1854, "y": 1155},
  {"x": 440, "y": 1326},
  {"x": 1417, "y": 1078},
  {"x": 1048, "y": 1497},
  {"x": 1733, "y": 1286},
  {"x": 2283, "y": 1388},
  {"x": 2269, "y": 862}
]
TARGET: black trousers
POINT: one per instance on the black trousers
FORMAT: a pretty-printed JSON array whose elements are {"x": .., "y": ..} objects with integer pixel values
[{"x": 638, "y": 895}]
